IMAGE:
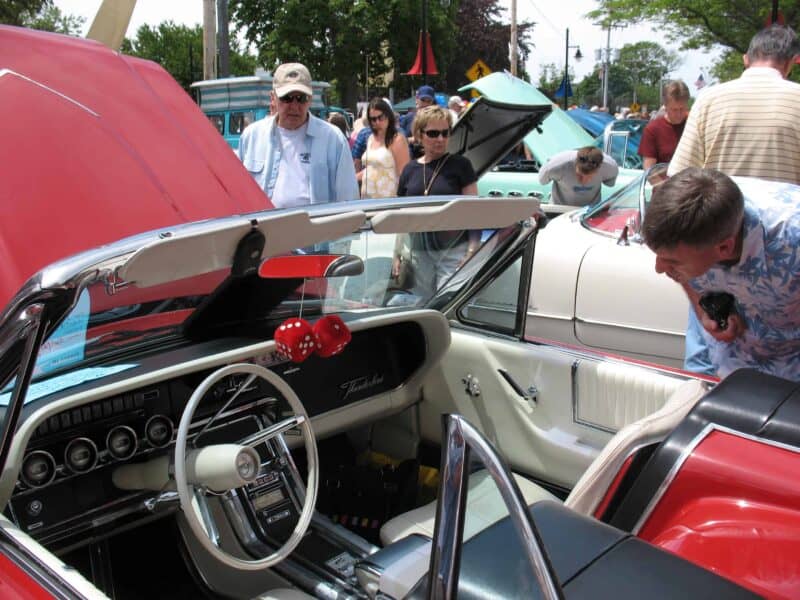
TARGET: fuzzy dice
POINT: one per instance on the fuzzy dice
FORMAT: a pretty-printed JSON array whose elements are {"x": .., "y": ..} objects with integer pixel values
[
  {"x": 295, "y": 339},
  {"x": 332, "y": 335}
]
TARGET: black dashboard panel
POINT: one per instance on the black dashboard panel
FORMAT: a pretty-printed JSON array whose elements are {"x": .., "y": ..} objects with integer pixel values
[
  {"x": 65, "y": 490},
  {"x": 374, "y": 362}
]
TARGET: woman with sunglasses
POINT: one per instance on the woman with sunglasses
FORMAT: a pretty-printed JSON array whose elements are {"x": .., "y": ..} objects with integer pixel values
[
  {"x": 386, "y": 154},
  {"x": 434, "y": 257},
  {"x": 436, "y": 172}
]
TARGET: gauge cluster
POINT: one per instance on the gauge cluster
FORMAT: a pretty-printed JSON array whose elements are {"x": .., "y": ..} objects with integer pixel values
[{"x": 65, "y": 483}]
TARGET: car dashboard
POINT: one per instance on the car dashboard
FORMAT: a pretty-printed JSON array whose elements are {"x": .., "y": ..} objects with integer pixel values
[{"x": 71, "y": 443}]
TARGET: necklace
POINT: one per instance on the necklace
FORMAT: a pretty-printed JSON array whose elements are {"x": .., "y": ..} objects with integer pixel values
[{"x": 425, "y": 185}]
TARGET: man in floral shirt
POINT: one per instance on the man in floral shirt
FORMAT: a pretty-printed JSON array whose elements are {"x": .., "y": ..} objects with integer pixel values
[{"x": 712, "y": 235}]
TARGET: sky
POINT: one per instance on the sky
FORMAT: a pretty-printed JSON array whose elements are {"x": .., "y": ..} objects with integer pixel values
[{"x": 552, "y": 18}]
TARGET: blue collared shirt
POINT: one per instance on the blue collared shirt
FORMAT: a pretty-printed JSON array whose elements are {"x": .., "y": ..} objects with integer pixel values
[
  {"x": 360, "y": 145},
  {"x": 765, "y": 283},
  {"x": 332, "y": 177}
]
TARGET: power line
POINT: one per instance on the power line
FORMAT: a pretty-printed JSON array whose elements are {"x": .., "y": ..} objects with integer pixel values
[{"x": 555, "y": 29}]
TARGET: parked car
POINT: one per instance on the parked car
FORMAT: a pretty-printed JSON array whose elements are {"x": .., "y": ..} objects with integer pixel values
[
  {"x": 592, "y": 121},
  {"x": 234, "y": 406},
  {"x": 518, "y": 176},
  {"x": 620, "y": 139}
]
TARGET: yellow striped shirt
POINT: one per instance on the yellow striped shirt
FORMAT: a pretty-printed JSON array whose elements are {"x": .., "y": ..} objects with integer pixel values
[{"x": 749, "y": 126}]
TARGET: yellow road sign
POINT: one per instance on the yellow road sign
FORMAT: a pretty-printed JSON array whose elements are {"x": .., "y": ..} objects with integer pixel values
[
  {"x": 478, "y": 70},
  {"x": 635, "y": 107}
]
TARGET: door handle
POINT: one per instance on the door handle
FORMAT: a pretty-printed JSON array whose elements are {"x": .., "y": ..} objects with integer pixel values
[{"x": 531, "y": 395}]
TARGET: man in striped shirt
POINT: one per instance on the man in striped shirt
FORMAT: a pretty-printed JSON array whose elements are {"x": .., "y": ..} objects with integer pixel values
[{"x": 751, "y": 125}]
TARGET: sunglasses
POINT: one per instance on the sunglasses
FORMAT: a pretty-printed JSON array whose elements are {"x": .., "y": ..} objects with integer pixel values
[
  {"x": 435, "y": 133},
  {"x": 588, "y": 160},
  {"x": 380, "y": 117},
  {"x": 299, "y": 98}
]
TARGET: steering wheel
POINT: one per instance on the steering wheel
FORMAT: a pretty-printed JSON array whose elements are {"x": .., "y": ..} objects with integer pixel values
[{"x": 243, "y": 471}]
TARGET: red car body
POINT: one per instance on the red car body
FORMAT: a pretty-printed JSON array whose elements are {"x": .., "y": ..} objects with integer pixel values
[{"x": 98, "y": 146}]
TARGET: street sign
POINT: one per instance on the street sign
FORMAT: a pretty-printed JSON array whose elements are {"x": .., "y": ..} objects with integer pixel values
[
  {"x": 478, "y": 70},
  {"x": 635, "y": 107}
]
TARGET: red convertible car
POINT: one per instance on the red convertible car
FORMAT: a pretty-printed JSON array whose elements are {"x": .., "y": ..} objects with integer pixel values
[{"x": 253, "y": 406}]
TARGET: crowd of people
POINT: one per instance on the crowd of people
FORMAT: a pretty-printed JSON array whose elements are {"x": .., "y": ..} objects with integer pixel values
[{"x": 725, "y": 247}]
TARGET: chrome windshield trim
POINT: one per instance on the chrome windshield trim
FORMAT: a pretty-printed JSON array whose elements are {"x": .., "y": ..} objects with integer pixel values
[{"x": 461, "y": 438}]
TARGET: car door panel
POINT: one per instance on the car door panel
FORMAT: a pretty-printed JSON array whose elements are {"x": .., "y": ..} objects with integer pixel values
[
  {"x": 544, "y": 439},
  {"x": 623, "y": 305}
]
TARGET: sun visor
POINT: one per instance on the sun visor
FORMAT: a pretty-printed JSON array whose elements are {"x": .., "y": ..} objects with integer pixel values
[
  {"x": 186, "y": 254},
  {"x": 461, "y": 213}
]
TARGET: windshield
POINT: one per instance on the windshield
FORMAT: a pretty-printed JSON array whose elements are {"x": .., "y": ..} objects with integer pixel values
[
  {"x": 624, "y": 207},
  {"x": 400, "y": 270}
]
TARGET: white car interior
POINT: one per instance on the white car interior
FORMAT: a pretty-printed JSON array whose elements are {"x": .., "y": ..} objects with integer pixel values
[{"x": 218, "y": 465}]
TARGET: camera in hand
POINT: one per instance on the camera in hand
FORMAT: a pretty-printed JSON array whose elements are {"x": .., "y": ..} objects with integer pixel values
[{"x": 718, "y": 306}]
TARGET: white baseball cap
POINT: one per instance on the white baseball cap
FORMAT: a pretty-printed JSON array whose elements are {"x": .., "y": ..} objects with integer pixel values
[{"x": 291, "y": 77}]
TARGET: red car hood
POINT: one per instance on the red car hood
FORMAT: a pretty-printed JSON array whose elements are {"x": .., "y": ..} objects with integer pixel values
[{"x": 97, "y": 146}]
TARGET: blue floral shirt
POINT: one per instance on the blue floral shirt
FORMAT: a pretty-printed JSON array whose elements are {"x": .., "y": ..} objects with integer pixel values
[{"x": 765, "y": 283}]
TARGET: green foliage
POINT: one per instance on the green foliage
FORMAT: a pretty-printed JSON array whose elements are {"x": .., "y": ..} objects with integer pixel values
[
  {"x": 20, "y": 12},
  {"x": 334, "y": 39},
  {"x": 481, "y": 34},
  {"x": 179, "y": 49},
  {"x": 50, "y": 18},
  {"x": 39, "y": 14},
  {"x": 700, "y": 23},
  {"x": 338, "y": 39}
]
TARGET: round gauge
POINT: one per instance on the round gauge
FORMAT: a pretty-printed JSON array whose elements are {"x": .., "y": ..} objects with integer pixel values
[
  {"x": 158, "y": 431},
  {"x": 121, "y": 442},
  {"x": 80, "y": 455},
  {"x": 38, "y": 468}
]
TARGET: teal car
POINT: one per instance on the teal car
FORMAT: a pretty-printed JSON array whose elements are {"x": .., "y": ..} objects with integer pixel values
[{"x": 518, "y": 174}]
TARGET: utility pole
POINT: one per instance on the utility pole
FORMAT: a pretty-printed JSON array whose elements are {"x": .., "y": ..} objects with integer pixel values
[
  {"x": 209, "y": 40},
  {"x": 514, "y": 37},
  {"x": 424, "y": 42},
  {"x": 607, "y": 68},
  {"x": 224, "y": 41}
]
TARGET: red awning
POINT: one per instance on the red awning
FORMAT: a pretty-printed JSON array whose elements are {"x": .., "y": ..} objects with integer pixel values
[{"x": 429, "y": 67}]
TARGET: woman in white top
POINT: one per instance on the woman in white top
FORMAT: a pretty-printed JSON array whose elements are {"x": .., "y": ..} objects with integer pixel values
[{"x": 386, "y": 154}]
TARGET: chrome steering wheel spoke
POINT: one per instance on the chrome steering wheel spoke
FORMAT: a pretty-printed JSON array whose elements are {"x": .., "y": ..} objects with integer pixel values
[{"x": 273, "y": 430}]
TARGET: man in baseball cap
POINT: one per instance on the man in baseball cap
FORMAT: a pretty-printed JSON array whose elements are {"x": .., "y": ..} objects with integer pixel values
[
  {"x": 295, "y": 157},
  {"x": 425, "y": 96}
]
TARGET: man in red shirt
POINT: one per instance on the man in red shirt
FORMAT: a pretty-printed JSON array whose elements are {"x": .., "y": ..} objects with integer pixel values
[{"x": 660, "y": 137}]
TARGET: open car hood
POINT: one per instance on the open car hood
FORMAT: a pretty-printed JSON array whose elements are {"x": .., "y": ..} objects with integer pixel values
[
  {"x": 489, "y": 129},
  {"x": 557, "y": 133},
  {"x": 98, "y": 146}
]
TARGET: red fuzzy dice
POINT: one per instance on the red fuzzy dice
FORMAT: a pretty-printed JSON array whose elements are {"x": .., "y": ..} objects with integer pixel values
[
  {"x": 295, "y": 339},
  {"x": 332, "y": 335}
]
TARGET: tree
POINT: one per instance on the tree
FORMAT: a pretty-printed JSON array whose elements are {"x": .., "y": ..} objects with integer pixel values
[
  {"x": 482, "y": 35},
  {"x": 701, "y": 23},
  {"x": 39, "y": 14},
  {"x": 19, "y": 12},
  {"x": 179, "y": 49},
  {"x": 335, "y": 39},
  {"x": 645, "y": 65}
]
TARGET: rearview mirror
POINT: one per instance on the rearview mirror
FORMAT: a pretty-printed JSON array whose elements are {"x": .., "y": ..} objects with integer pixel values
[{"x": 308, "y": 266}]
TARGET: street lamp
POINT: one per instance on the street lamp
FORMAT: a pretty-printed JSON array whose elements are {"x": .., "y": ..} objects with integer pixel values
[{"x": 578, "y": 56}]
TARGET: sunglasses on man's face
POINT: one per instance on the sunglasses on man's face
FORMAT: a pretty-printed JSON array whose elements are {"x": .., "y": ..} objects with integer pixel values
[
  {"x": 435, "y": 133},
  {"x": 380, "y": 117},
  {"x": 299, "y": 98}
]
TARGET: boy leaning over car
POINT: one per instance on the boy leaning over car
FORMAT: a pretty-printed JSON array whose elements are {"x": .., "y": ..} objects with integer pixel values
[
  {"x": 577, "y": 175},
  {"x": 712, "y": 236}
]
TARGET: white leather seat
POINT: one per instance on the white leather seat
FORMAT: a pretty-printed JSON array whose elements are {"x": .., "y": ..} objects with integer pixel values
[{"x": 485, "y": 506}]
